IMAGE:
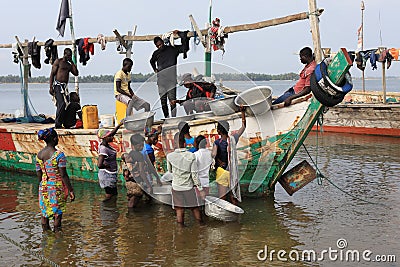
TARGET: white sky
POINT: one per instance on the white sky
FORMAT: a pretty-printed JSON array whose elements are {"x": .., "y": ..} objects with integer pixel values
[{"x": 270, "y": 50}]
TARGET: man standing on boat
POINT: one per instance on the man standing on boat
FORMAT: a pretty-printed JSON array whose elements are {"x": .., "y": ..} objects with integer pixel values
[
  {"x": 163, "y": 61},
  {"x": 302, "y": 87},
  {"x": 59, "y": 77}
]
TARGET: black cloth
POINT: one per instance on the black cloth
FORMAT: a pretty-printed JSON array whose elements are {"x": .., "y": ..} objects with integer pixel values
[
  {"x": 83, "y": 56},
  {"x": 70, "y": 114},
  {"x": 34, "y": 51},
  {"x": 51, "y": 52},
  {"x": 62, "y": 17},
  {"x": 185, "y": 42}
]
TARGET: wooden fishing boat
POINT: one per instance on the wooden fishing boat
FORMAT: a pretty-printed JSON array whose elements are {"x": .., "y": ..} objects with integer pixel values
[
  {"x": 365, "y": 113},
  {"x": 264, "y": 151}
]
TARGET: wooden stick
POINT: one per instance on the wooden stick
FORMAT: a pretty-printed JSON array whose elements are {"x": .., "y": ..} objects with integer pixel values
[
  {"x": 197, "y": 29},
  {"x": 121, "y": 40},
  {"x": 228, "y": 29}
]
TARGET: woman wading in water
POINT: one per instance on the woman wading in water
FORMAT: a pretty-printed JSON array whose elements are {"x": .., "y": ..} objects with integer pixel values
[{"x": 54, "y": 186}]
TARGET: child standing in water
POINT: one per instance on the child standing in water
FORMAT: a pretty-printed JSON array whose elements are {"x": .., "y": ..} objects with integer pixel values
[{"x": 107, "y": 162}]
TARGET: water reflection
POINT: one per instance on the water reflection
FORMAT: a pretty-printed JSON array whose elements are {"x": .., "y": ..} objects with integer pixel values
[{"x": 98, "y": 234}]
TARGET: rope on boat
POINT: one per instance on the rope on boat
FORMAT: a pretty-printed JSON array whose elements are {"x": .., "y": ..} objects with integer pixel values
[
  {"x": 37, "y": 255},
  {"x": 320, "y": 176}
]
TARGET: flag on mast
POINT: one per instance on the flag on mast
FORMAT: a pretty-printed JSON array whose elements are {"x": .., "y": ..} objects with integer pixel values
[
  {"x": 360, "y": 37},
  {"x": 62, "y": 17}
]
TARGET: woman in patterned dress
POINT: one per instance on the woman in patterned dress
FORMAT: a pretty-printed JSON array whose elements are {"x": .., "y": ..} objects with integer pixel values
[{"x": 55, "y": 185}]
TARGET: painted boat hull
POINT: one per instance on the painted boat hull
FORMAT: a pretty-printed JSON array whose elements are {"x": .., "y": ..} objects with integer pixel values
[{"x": 264, "y": 150}]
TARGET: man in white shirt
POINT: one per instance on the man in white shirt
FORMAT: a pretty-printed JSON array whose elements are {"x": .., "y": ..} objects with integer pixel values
[
  {"x": 182, "y": 164},
  {"x": 204, "y": 160}
]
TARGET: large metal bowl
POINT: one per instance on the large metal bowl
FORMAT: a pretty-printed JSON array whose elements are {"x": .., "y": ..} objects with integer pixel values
[
  {"x": 204, "y": 115},
  {"x": 176, "y": 120},
  {"x": 139, "y": 121},
  {"x": 258, "y": 100},
  {"x": 224, "y": 106},
  {"x": 222, "y": 210},
  {"x": 163, "y": 194}
]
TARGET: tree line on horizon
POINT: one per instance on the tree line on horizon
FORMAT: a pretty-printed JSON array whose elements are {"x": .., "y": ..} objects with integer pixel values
[{"x": 139, "y": 77}]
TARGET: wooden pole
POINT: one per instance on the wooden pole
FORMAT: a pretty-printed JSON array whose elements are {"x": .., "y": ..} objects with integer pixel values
[
  {"x": 384, "y": 81},
  {"x": 314, "y": 23},
  {"x": 207, "y": 52},
  {"x": 130, "y": 43},
  {"x": 74, "y": 55},
  {"x": 362, "y": 41},
  {"x": 228, "y": 29},
  {"x": 25, "y": 63},
  {"x": 198, "y": 31}
]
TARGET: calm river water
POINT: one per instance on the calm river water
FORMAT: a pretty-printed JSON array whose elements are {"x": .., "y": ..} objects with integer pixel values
[{"x": 318, "y": 218}]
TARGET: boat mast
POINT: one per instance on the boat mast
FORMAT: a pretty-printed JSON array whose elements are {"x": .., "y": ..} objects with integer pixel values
[
  {"x": 314, "y": 24},
  {"x": 74, "y": 57},
  {"x": 362, "y": 41},
  {"x": 207, "y": 53}
]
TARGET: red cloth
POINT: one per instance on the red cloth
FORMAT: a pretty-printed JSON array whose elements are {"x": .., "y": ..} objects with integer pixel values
[{"x": 88, "y": 47}]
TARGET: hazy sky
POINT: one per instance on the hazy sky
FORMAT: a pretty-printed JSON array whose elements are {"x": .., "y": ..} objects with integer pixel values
[{"x": 270, "y": 50}]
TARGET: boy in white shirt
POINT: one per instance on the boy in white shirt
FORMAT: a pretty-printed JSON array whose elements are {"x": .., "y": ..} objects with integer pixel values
[{"x": 204, "y": 160}]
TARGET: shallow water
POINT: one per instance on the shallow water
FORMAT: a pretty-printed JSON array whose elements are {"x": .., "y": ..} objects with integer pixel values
[{"x": 314, "y": 218}]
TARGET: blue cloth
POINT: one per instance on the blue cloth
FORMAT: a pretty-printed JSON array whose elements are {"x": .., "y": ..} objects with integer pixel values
[
  {"x": 283, "y": 97},
  {"x": 148, "y": 151},
  {"x": 190, "y": 145}
]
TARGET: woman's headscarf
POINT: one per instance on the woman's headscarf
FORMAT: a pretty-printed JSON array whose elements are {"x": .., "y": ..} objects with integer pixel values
[{"x": 46, "y": 134}]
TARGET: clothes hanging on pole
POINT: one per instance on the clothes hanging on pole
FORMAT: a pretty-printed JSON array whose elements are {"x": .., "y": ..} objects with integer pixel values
[
  {"x": 102, "y": 41},
  {"x": 51, "y": 52},
  {"x": 386, "y": 57},
  {"x": 34, "y": 51}
]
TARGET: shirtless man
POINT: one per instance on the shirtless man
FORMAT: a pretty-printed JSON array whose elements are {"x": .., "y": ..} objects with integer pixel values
[{"x": 59, "y": 77}]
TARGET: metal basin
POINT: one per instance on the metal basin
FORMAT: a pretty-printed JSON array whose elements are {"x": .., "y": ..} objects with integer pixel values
[
  {"x": 176, "y": 120},
  {"x": 221, "y": 209},
  {"x": 163, "y": 194},
  {"x": 139, "y": 121},
  {"x": 224, "y": 106},
  {"x": 258, "y": 100},
  {"x": 204, "y": 115}
]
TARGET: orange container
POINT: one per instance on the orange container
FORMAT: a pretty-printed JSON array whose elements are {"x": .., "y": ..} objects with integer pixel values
[{"x": 90, "y": 117}]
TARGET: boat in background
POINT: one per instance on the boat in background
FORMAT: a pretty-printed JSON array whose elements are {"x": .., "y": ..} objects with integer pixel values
[{"x": 365, "y": 113}]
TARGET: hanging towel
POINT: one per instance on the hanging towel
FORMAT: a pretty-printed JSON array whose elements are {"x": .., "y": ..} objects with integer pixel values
[
  {"x": 62, "y": 17},
  {"x": 102, "y": 41}
]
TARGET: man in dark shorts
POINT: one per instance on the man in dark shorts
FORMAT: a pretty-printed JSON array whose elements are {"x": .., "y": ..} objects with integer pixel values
[
  {"x": 182, "y": 164},
  {"x": 59, "y": 77}
]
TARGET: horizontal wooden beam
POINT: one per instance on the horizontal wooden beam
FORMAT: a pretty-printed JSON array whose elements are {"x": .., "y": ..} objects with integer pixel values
[{"x": 228, "y": 29}]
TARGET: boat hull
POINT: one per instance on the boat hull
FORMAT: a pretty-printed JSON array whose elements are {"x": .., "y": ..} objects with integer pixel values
[{"x": 264, "y": 150}]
